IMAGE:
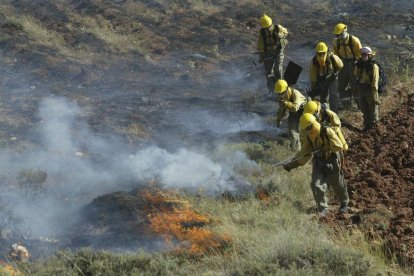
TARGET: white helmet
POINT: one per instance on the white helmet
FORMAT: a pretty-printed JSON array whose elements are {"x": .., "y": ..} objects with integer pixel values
[{"x": 366, "y": 51}]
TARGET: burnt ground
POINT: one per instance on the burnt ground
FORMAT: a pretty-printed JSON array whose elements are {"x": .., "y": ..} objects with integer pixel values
[{"x": 196, "y": 62}]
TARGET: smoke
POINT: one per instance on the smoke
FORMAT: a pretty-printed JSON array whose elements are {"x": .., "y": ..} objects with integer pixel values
[
  {"x": 201, "y": 121},
  {"x": 72, "y": 165}
]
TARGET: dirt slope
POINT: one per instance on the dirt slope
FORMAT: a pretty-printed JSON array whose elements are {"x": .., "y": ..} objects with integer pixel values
[{"x": 380, "y": 174}]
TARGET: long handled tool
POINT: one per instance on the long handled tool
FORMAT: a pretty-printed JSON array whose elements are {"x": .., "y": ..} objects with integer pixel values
[{"x": 292, "y": 159}]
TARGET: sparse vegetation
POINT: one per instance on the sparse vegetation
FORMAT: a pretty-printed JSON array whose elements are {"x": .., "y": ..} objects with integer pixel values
[{"x": 276, "y": 234}]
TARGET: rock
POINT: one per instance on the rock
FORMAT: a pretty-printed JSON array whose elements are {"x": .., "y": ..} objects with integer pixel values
[{"x": 389, "y": 37}]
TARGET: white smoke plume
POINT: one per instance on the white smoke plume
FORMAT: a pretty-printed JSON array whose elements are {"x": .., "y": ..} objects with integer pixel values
[{"x": 75, "y": 165}]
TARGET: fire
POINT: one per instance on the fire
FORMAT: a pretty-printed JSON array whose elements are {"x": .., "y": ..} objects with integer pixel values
[
  {"x": 9, "y": 270},
  {"x": 178, "y": 222}
]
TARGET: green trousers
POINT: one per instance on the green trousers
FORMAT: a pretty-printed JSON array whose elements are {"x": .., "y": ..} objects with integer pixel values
[
  {"x": 368, "y": 106},
  {"x": 325, "y": 174},
  {"x": 273, "y": 69},
  {"x": 328, "y": 93},
  {"x": 347, "y": 82},
  {"x": 293, "y": 125}
]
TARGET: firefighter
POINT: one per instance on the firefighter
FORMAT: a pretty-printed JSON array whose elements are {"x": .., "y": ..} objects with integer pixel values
[
  {"x": 271, "y": 45},
  {"x": 325, "y": 117},
  {"x": 347, "y": 47},
  {"x": 367, "y": 76},
  {"x": 324, "y": 145},
  {"x": 292, "y": 100},
  {"x": 323, "y": 74}
]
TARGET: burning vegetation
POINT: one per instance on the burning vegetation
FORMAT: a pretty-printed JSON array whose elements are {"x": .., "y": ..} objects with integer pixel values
[{"x": 180, "y": 225}]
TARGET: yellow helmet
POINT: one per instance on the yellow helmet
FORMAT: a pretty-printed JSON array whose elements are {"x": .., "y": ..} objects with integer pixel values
[
  {"x": 306, "y": 120},
  {"x": 339, "y": 28},
  {"x": 311, "y": 107},
  {"x": 266, "y": 21},
  {"x": 321, "y": 47},
  {"x": 281, "y": 86}
]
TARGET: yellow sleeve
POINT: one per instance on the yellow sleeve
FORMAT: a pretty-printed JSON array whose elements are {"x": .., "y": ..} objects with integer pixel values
[
  {"x": 283, "y": 32},
  {"x": 335, "y": 142},
  {"x": 297, "y": 99},
  {"x": 357, "y": 46},
  {"x": 341, "y": 137},
  {"x": 304, "y": 155},
  {"x": 338, "y": 63},
  {"x": 375, "y": 79},
  {"x": 312, "y": 74},
  {"x": 334, "y": 120}
]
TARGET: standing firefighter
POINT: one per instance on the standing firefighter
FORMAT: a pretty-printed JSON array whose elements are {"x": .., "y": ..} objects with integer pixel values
[
  {"x": 326, "y": 117},
  {"x": 323, "y": 75},
  {"x": 292, "y": 100},
  {"x": 326, "y": 147},
  {"x": 271, "y": 45},
  {"x": 347, "y": 47},
  {"x": 367, "y": 75}
]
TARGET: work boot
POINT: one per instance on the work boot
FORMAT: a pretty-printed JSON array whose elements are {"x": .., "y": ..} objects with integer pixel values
[{"x": 343, "y": 208}]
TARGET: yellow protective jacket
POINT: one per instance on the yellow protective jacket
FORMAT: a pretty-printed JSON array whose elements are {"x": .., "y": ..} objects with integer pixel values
[
  {"x": 334, "y": 122},
  {"x": 344, "y": 51},
  {"x": 365, "y": 77},
  {"x": 327, "y": 142},
  {"x": 291, "y": 100},
  {"x": 332, "y": 65},
  {"x": 273, "y": 38}
]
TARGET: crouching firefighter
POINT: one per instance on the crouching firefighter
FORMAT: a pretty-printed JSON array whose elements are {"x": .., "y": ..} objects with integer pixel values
[
  {"x": 324, "y": 145},
  {"x": 292, "y": 100},
  {"x": 325, "y": 117}
]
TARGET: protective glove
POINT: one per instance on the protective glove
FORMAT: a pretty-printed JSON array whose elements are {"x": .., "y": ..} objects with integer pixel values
[
  {"x": 332, "y": 76},
  {"x": 290, "y": 166},
  {"x": 286, "y": 167},
  {"x": 288, "y": 105}
]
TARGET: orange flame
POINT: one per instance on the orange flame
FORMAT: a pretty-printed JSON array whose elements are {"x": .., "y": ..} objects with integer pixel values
[
  {"x": 176, "y": 220},
  {"x": 9, "y": 270}
]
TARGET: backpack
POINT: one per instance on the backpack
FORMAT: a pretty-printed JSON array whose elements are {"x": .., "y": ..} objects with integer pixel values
[{"x": 382, "y": 79}]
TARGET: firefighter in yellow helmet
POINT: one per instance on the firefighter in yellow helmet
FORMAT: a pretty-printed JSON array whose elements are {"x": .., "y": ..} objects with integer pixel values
[
  {"x": 293, "y": 101},
  {"x": 367, "y": 75},
  {"x": 323, "y": 74},
  {"x": 325, "y": 117},
  {"x": 347, "y": 47},
  {"x": 324, "y": 145},
  {"x": 271, "y": 46}
]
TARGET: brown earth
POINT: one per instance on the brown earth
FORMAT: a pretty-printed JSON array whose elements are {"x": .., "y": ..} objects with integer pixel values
[{"x": 380, "y": 174}]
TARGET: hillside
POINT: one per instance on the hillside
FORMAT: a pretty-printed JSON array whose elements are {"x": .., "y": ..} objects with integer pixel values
[{"x": 132, "y": 125}]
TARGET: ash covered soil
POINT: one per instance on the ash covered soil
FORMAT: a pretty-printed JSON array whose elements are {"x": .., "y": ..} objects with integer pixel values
[{"x": 183, "y": 75}]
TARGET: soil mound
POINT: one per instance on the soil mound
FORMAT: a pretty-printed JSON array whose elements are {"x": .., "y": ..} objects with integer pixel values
[{"x": 379, "y": 170}]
